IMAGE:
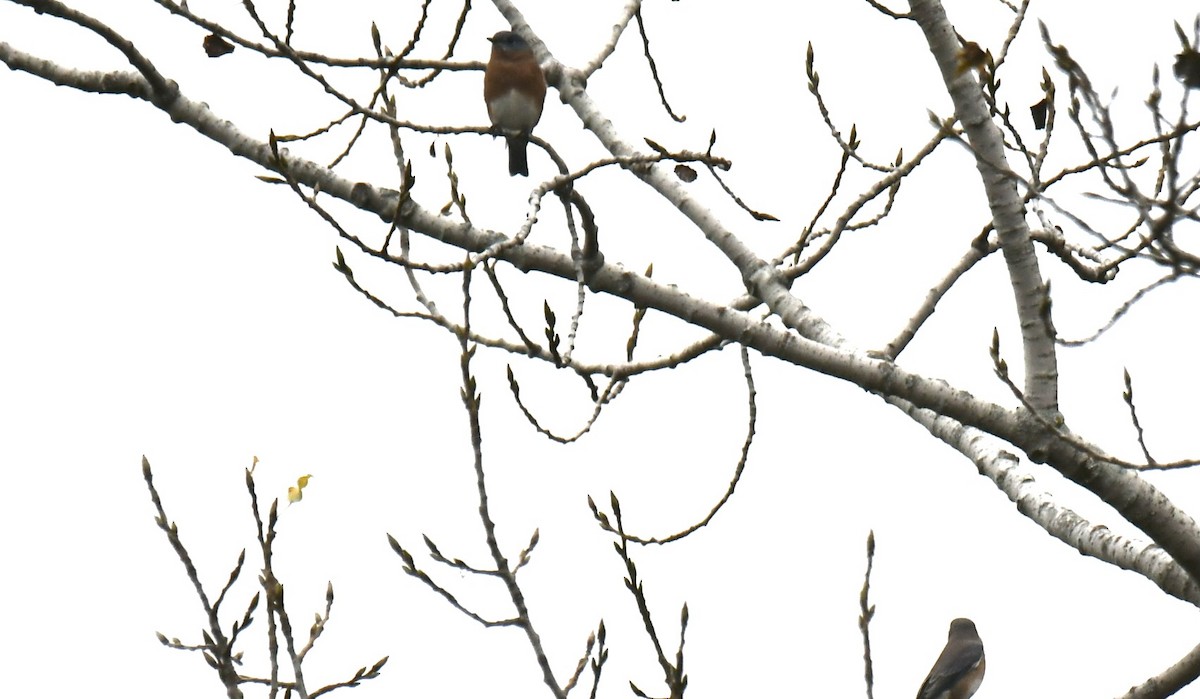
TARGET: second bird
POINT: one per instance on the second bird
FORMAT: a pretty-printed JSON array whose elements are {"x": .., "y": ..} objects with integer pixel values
[
  {"x": 514, "y": 89},
  {"x": 959, "y": 669}
]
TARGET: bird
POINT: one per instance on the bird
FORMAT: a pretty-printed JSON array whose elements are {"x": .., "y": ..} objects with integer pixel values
[
  {"x": 958, "y": 671},
  {"x": 514, "y": 90}
]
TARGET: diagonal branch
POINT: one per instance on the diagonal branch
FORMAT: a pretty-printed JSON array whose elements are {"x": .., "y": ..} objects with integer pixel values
[{"x": 1004, "y": 201}]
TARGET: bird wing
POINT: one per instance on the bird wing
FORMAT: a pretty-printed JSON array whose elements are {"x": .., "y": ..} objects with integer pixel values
[{"x": 951, "y": 665}]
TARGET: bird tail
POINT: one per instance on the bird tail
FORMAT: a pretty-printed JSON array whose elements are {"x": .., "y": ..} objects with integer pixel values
[{"x": 518, "y": 164}]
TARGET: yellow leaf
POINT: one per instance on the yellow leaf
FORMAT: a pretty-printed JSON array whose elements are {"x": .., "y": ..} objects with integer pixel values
[{"x": 296, "y": 492}]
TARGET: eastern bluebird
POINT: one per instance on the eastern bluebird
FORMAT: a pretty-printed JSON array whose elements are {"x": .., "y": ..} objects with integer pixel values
[
  {"x": 959, "y": 669},
  {"x": 514, "y": 89}
]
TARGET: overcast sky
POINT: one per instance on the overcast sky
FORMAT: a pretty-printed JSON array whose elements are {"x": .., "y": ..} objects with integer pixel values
[{"x": 156, "y": 299}]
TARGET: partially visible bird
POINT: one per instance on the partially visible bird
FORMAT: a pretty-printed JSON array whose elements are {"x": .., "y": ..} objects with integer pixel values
[
  {"x": 514, "y": 89},
  {"x": 959, "y": 669}
]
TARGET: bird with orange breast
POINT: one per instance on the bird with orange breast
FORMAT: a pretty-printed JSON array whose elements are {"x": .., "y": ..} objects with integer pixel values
[
  {"x": 514, "y": 90},
  {"x": 958, "y": 671}
]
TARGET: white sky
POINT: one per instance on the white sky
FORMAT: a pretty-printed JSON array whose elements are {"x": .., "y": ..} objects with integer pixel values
[{"x": 157, "y": 299}]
